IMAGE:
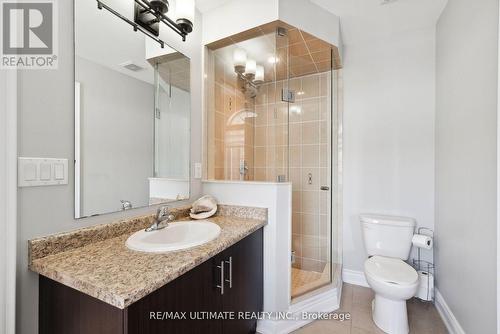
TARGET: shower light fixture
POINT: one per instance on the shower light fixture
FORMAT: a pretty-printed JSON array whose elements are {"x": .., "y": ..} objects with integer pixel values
[
  {"x": 250, "y": 68},
  {"x": 239, "y": 60},
  {"x": 148, "y": 14},
  {"x": 259, "y": 74},
  {"x": 247, "y": 70}
]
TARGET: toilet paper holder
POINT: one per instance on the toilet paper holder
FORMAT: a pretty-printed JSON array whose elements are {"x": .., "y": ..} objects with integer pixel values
[{"x": 425, "y": 292}]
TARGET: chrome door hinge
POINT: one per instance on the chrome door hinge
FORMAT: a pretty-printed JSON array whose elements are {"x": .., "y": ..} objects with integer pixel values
[{"x": 287, "y": 95}]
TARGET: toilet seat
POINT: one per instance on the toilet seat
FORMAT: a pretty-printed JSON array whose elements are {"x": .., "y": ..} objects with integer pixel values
[{"x": 390, "y": 271}]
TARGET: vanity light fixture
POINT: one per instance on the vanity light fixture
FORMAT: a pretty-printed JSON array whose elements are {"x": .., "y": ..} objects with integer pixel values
[
  {"x": 185, "y": 14},
  {"x": 148, "y": 14}
]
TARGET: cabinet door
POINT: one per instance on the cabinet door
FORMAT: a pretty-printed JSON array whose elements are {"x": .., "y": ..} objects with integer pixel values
[
  {"x": 63, "y": 310},
  {"x": 190, "y": 293},
  {"x": 244, "y": 282}
]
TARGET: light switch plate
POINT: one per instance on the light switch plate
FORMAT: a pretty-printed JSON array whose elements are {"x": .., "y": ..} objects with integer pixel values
[
  {"x": 33, "y": 172},
  {"x": 45, "y": 171},
  {"x": 30, "y": 171},
  {"x": 197, "y": 170},
  {"x": 59, "y": 171}
]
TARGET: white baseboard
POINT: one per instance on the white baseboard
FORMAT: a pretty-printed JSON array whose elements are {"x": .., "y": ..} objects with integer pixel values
[
  {"x": 327, "y": 301},
  {"x": 354, "y": 277},
  {"x": 448, "y": 317}
]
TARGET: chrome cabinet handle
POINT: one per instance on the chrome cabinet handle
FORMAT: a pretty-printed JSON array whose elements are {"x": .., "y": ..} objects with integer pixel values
[
  {"x": 325, "y": 188},
  {"x": 221, "y": 286},
  {"x": 230, "y": 280}
]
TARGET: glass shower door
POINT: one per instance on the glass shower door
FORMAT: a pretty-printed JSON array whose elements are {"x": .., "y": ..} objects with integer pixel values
[{"x": 310, "y": 117}]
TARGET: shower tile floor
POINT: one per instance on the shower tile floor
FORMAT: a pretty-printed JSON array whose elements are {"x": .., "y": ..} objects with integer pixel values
[
  {"x": 302, "y": 278},
  {"x": 356, "y": 300},
  {"x": 304, "y": 281}
]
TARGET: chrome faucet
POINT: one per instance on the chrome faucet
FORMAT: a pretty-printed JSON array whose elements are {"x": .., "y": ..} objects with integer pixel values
[{"x": 162, "y": 214}]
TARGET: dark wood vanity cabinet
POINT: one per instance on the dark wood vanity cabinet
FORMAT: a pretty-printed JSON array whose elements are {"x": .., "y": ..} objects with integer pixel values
[{"x": 198, "y": 293}]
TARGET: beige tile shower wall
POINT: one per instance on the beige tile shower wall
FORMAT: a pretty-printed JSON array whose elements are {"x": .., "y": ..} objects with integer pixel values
[
  {"x": 310, "y": 121},
  {"x": 230, "y": 125},
  {"x": 271, "y": 133}
]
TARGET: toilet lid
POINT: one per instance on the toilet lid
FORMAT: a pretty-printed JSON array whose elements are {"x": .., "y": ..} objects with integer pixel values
[{"x": 390, "y": 270}]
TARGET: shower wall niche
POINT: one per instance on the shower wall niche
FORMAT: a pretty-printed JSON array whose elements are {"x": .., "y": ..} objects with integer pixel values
[{"x": 272, "y": 116}]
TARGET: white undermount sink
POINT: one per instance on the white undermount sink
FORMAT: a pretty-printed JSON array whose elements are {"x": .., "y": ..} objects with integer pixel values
[{"x": 176, "y": 236}]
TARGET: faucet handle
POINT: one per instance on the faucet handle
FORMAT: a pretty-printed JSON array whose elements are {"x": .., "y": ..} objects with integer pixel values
[{"x": 126, "y": 204}]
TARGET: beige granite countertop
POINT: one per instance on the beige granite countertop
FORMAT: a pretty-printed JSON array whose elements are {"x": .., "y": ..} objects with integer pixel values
[{"x": 106, "y": 269}]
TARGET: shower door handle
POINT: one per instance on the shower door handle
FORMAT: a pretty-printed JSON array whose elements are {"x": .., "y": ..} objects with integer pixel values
[{"x": 326, "y": 188}]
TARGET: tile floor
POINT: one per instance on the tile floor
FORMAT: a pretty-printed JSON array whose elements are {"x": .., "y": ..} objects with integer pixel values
[
  {"x": 301, "y": 278},
  {"x": 356, "y": 300}
]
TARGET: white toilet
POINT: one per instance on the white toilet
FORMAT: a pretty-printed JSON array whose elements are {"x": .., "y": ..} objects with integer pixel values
[{"x": 388, "y": 243}]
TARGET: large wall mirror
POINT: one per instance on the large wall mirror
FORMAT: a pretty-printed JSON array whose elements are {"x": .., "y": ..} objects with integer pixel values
[{"x": 132, "y": 117}]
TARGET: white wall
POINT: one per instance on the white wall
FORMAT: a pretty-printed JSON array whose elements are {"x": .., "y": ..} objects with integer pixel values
[
  {"x": 46, "y": 130},
  {"x": 277, "y": 198},
  {"x": 8, "y": 199},
  {"x": 466, "y": 162},
  {"x": 388, "y": 132},
  {"x": 115, "y": 165}
]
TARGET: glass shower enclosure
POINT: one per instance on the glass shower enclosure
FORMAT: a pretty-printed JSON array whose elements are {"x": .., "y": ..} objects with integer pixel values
[{"x": 272, "y": 116}]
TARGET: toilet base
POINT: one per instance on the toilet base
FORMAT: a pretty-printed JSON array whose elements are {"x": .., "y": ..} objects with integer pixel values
[{"x": 390, "y": 315}]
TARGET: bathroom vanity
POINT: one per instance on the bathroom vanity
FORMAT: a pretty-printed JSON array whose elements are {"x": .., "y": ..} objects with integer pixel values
[{"x": 100, "y": 286}]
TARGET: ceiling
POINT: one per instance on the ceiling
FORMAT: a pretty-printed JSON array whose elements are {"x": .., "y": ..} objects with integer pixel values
[
  {"x": 364, "y": 20},
  {"x": 206, "y": 5},
  {"x": 174, "y": 69},
  {"x": 368, "y": 20},
  {"x": 104, "y": 39}
]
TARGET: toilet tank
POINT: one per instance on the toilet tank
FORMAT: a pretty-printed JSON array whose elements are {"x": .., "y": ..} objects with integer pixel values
[{"x": 387, "y": 235}]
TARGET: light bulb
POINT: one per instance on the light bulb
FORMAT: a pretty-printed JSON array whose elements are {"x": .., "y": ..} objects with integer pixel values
[
  {"x": 250, "y": 67},
  {"x": 185, "y": 14},
  {"x": 239, "y": 60},
  {"x": 259, "y": 74}
]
